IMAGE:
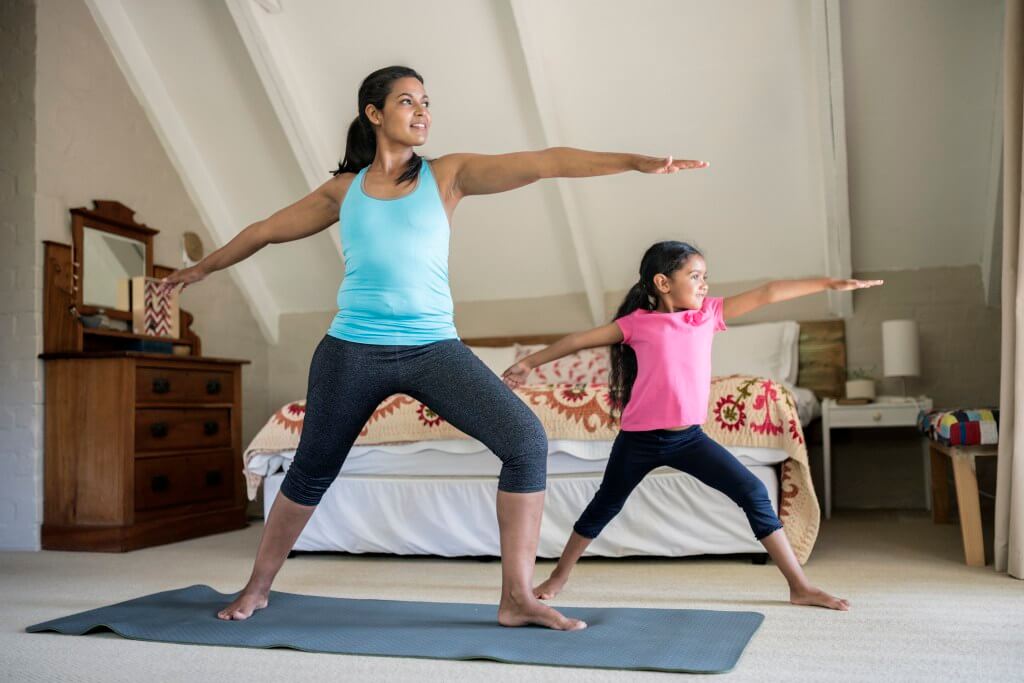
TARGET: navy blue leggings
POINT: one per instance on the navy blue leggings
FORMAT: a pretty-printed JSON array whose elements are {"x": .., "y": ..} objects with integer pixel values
[
  {"x": 690, "y": 450},
  {"x": 347, "y": 381}
]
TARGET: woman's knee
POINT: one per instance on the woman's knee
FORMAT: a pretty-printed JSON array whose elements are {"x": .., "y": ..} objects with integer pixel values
[
  {"x": 524, "y": 458},
  {"x": 303, "y": 488}
]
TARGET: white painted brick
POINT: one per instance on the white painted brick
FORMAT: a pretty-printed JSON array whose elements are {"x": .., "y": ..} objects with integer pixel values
[
  {"x": 26, "y": 324},
  {"x": 8, "y": 512},
  {"x": 24, "y": 420},
  {"x": 19, "y": 300},
  {"x": 26, "y": 277},
  {"x": 28, "y": 370},
  {"x": 6, "y": 420},
  {"x": 6, "y": 325}
]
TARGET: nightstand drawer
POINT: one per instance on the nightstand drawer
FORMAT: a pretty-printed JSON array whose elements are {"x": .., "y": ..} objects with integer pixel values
[
  {"x": 181, "y": 479},
  {"x": 874, "y": 415},
  {"x": 162, "y": 429}
]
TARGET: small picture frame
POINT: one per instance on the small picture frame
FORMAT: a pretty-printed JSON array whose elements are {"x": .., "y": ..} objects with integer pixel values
[{"x": 154, "y": 307}]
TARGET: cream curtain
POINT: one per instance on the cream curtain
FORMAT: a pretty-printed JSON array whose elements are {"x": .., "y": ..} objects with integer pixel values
[{"x": 1009, "y": 539}]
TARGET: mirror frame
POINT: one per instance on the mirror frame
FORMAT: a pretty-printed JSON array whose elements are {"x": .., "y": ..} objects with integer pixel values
[{"x": 115, "y": 218}]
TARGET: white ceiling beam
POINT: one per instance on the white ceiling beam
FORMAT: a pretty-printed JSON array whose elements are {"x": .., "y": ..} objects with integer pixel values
[
  {"x": 269, "y": 56},
  {"x": 144, "y": 80},
  {"x": 827, "y": 49},
  {"x": 553, "y": 137}
]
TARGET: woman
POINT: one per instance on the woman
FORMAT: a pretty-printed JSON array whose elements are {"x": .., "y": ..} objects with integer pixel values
[{"x": 394, "y": 330}]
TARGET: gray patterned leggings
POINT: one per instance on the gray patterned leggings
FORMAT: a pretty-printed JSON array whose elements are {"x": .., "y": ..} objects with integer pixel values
[{"x": 347, "y": 381}]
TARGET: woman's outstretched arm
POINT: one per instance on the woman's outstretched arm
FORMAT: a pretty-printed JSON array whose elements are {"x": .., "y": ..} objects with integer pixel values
[
  {"x": 782, "y": 290},
  {"x": 490, "y": 173},
  {"x": 309, "y": 215},
  {"x": 605, "y": 335}
]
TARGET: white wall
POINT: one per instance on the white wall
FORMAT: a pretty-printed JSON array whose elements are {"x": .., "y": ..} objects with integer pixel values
[{"x": 921, "y": 79}]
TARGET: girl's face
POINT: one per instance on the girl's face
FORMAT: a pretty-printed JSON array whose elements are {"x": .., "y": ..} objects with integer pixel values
[
  {"x": 686, "y": 288},
  {"x": 405, "y": 118}
]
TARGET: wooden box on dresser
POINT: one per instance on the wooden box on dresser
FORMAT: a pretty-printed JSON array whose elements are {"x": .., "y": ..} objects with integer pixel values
[{"x": 141, "y": 448}]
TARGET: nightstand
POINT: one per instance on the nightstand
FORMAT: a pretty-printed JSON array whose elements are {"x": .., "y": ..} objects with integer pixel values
[{"x": 886, "y": 412}]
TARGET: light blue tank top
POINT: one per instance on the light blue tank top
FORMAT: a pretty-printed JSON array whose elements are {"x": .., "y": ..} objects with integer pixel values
[{"x": 396, "y": 290}]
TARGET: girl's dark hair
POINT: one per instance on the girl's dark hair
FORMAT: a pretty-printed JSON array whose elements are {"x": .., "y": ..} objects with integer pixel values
[
  {"x": 661, "y": 257},
  {"x": 361, "y": 145}
]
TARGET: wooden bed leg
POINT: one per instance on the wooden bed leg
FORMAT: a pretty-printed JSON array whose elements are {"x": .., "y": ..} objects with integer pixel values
[{"x": 970, "y": 508}]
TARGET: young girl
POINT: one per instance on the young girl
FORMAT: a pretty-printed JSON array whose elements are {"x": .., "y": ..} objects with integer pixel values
[{"x": 660, "y": 381}]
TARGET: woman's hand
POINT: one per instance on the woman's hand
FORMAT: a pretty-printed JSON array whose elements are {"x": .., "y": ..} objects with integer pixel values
[
  {"x": 846, "y": 285},
  {"x": 185, "y": 276},
  {"x": 667, "y": 164},
  {"x": 516, "y": 375}
]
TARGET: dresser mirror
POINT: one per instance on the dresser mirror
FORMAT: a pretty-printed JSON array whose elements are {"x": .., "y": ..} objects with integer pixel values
[{"x": 109, "y": 248}]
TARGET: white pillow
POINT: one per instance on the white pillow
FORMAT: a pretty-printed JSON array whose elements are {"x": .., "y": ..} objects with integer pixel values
[
  {"x": 765, "y": 349},
  {"x": 497, "y": 358}
]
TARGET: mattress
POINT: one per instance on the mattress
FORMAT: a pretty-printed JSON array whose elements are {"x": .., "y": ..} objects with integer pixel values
[
  {"x": 470, "y": 458},
  {"x": 670, "y": 514}
]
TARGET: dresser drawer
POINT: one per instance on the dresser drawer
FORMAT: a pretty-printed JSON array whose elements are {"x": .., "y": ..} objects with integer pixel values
[
  {"x": 166, "y": 429},
  {"x": 183, "y": 479},
  {"x": 211, "y": 386},
  {"x": 172, "y": 385},
  {"x": 154, "y": 385}
]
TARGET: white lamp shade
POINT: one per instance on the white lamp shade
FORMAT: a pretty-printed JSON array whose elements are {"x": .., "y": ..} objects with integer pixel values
[{"x": 899, "y": 348}]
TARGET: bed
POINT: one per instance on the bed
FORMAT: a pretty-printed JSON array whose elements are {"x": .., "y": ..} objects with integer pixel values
[{"x": 413, "y": 485}]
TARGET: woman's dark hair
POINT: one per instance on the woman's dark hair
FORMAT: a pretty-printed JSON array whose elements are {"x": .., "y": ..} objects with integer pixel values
[
  {"x": 361, "y": 145},
  {"x": 661, "y": 257}
]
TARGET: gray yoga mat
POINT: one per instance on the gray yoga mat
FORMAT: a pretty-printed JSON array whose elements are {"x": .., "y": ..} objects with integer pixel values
[{"x": 683, "y": 640}]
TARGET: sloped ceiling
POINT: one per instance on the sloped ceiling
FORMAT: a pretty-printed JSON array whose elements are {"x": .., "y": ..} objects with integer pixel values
[{"x": 253, "y": 99}]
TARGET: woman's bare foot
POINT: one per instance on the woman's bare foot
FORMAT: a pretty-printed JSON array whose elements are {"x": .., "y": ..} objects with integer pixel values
[
  {"x": 244, "y": 605},
  {"x": 816, "y": 597},
  {"x": 515, "y": 611},
  {"x": 550, "y": 588}
]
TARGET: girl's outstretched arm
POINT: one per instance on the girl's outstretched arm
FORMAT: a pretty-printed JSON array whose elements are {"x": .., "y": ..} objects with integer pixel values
[
  {"x": 490, "y": 173},
  {"x": 782, "y": 290},
  {"x": 606, "y": 335}
]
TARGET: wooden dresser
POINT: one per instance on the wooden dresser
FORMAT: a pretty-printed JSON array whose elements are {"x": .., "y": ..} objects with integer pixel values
[{"x": 141, "y": 448}]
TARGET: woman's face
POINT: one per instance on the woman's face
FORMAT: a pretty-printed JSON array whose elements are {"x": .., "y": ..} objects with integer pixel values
[
  {"x": 405, "y": 118},
  {"x": 688, "y": 285}
]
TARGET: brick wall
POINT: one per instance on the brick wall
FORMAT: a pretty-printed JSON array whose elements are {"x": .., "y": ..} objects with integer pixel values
[{"x": 20, "y": 297}]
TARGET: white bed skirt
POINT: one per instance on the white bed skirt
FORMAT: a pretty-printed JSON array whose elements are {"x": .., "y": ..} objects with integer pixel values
[{"x": 670, "y": 514}]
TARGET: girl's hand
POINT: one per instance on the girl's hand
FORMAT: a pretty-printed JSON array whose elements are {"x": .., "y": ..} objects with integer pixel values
[
  {"x": 846, "y": 285},
  {"x": 516, "y": 375},
  {"x": 667, "y": 164},
  {"x": 184, "y": 277}
]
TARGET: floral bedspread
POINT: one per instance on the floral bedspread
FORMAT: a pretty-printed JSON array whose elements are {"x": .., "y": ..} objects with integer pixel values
[{"x": 742, "y": 411}]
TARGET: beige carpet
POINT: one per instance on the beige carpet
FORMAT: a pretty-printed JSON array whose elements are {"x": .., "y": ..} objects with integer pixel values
[{"x": 918, "y": 612}]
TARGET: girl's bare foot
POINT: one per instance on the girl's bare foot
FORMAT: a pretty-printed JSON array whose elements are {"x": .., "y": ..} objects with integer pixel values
[
  {"x": 550, "y": 588},
  {"x": 527, "y": 610},
  {"x": 816, "y": 597},
  {"x": 244, "y": 605}
]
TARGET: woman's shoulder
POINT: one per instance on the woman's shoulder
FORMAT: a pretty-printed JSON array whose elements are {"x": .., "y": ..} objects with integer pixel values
[{"x": 337, "y": 187}]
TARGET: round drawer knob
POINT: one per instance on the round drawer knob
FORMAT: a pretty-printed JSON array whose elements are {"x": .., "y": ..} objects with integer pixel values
[{"x": 877, "y": 417}]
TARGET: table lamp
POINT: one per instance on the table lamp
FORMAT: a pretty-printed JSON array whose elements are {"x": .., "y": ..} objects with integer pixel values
[{"x": 900, "y": 356}]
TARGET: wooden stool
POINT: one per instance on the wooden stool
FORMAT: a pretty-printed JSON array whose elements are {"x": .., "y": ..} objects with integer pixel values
[{"x": 966, "y": 481}]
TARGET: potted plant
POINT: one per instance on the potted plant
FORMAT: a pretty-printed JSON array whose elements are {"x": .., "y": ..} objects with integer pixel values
[{"x": 860, "y": 383}]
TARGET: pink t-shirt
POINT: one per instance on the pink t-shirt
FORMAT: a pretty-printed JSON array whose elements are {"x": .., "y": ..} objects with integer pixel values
[{"x": 673, "y": 354}]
